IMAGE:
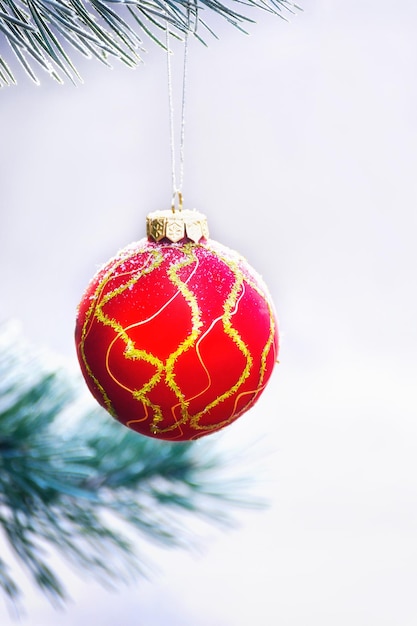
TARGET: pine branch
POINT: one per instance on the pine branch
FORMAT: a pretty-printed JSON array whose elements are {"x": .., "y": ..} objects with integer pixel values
[
  {"x": 40, "y": 32},
  {"x": 74, "y": 481}
]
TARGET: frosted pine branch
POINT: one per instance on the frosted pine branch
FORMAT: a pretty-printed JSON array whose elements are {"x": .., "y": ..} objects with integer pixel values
[{"x": 44, "y": 34}]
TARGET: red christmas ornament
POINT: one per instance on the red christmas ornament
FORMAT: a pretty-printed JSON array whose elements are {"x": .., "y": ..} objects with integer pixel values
[{"x": 176, "y": 336}]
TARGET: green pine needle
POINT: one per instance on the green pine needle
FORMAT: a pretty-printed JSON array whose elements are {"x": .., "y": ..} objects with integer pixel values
[
  {"x": 41, "y": 32},
  {"x": 72, "y": 478}
]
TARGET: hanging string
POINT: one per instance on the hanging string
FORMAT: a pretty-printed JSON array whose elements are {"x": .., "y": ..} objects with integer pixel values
[{"x": 177, "y": 197}]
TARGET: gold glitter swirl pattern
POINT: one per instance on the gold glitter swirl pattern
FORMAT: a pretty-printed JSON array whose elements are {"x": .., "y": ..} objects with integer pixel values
[
  {"x": 229, "y": 310},
  {"x": 95, "y": 311},
  {"x": 197, "y": 397}
]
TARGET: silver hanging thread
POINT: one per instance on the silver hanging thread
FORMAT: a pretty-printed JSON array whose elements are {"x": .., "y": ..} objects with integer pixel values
[{"x": 177, "y": 196}]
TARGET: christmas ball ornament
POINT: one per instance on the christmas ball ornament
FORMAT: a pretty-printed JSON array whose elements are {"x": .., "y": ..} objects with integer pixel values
[{"x": 176, "y": 335}]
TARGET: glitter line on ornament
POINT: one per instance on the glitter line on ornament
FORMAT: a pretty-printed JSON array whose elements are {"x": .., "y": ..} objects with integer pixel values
[
  {"x": 263, "y": 293},
  {"x": 95, "y": 311},
  {"x": 189, "y": 341},
  {"x": 234, "y": 335},
  {"x": 230, "y": 331},
  {"x": 136, "y": 353},
  {"x": 198, "y": 353},
  {"x": 91, "y": 315},
  {"x": 236, "y": 338},
  {"x": 197, "y": 349},
  {"x": 98, "y": 303},
  {"x": 270, "y": 341}
]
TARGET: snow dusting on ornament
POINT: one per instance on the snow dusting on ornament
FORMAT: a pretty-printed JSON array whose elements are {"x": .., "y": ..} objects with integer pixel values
[{"x": 176, "y": 335}]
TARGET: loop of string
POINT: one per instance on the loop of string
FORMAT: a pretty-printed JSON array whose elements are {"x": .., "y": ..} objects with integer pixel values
[{"x": 177, "y": 197}]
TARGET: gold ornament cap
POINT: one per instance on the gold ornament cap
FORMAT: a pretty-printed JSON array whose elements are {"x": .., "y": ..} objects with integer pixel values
[{"x": 176, "y": 225}]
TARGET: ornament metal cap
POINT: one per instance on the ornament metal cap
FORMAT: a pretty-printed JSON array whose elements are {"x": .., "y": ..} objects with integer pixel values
[{"x": 177, "y": 225}]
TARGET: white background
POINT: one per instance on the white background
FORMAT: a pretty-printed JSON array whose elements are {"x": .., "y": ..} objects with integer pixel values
[{"x": 301, "y": 149}]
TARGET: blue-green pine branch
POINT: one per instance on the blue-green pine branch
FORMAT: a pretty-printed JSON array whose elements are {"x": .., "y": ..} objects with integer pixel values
[{"x": 43, "y": 34}]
